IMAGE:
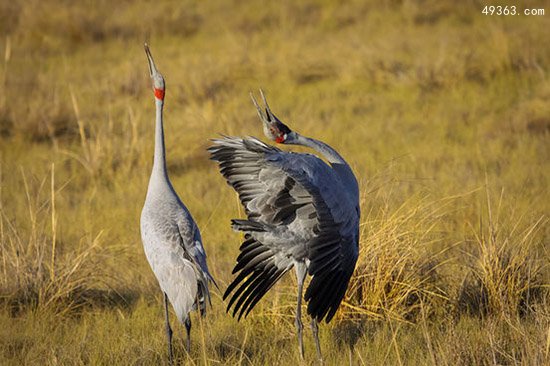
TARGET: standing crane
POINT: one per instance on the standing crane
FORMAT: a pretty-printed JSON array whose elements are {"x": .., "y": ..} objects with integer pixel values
[
  {"x": 302, "y": 213},
  {"x": 170, "y": 236}
]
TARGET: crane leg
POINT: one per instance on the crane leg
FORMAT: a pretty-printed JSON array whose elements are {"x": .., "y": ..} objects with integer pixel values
[
  {"x": 301, "y": 276},
  {"x": 168, "y": 330},
  {"x": 188, "y": 329},
  {"x": 315, "y": 330}
]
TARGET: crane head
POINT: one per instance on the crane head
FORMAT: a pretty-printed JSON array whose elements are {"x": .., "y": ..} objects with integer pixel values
[
  {"x": 274, "y": 129},
  {"x": 158, "y": 80}
]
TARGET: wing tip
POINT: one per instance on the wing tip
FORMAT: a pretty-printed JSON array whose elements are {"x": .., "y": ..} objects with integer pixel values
[
  {"x": 325, "y": 294},
  {"x": 257, "y": 273}
]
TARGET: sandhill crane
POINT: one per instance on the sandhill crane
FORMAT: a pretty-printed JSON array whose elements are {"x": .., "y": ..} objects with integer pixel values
[
  {"x": 171, "y": 239},
  {"x": 301, "y": 213}
]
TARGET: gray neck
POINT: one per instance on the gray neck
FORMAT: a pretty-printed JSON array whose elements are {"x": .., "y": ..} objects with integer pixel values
[
  {"x": 159, "y": 162},
  {"x": 339, "y": 165},
  {"x": 159, "y": 183},
  {"x": 328, "y": 152}
]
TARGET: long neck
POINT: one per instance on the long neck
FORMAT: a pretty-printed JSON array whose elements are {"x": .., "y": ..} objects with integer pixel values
[
  {"x": 339, "y": 165},
  {"x": 159, "y": 162},
  {"x": 328, "y": 152}
]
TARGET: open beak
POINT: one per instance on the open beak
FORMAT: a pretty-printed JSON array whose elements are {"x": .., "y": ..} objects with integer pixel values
[
  {"x": 152, "y": 68},
  {"x": 269, "y": 117}
]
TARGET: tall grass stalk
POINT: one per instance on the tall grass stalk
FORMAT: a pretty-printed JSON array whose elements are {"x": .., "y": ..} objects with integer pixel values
[
  {"x": 7, "y": 56},
  {"x": 53, "y": 223}
]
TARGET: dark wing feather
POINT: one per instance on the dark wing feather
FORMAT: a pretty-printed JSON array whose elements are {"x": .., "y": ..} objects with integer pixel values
[
  {"x": 332, "y": 253},
  {"x": 259, "y": 271},
  {"x": 277, "y": 189}
]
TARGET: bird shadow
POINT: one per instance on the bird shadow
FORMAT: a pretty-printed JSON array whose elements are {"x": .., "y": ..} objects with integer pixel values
[
  {"x": 73, "y": 303},
  {"x": 347, "y": 333}
]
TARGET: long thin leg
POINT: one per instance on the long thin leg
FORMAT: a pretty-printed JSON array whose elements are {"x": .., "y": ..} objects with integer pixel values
[
  {"x": 315, "y": 330},
  {"x": 168, "y": 330},
  {"x": 188, "y": 329},
  {"x": 300, "y": 276}
]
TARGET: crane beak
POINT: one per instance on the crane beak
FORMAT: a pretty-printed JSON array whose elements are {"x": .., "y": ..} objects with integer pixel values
[
  {"x": 274, "y": 129},
  {"x": 268, "y": 117},
  {"x": 258, "y": 108},
  {"x": 152, "y": 68}
]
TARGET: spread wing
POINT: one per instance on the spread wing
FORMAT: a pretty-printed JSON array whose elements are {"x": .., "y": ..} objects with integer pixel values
[{"x": 297, "y": 211}]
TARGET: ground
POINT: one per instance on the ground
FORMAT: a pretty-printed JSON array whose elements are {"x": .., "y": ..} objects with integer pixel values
[{"x": 442, "y": 111}]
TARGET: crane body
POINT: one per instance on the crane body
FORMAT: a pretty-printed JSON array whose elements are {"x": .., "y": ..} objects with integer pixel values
[
  {"x": 171, "y": 238},
  {"x": 302, "y": 213}
]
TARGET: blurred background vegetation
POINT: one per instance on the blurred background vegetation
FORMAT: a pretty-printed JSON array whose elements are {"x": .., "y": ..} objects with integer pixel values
[{"x": 443, "y": 112}]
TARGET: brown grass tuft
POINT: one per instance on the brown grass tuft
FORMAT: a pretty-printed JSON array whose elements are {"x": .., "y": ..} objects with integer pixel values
[
  {"x": 40, "y": 273},
  {"x": 397, "y": 274},
  {"x": 506, "y": 275}
]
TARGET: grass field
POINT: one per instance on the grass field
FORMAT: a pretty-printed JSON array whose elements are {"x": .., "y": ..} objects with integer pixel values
[{"x": 443, "y": 113}]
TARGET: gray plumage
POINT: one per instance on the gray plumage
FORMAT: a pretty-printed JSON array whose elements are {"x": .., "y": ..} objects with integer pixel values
[
  {"x": 173, "y": 247},
  {"x": 301, "y": 213},
  {"x": 170, "y": 236}
]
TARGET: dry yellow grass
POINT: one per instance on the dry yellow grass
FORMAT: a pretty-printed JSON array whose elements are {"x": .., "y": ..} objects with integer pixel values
[{"x": 444, "y": 114}]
